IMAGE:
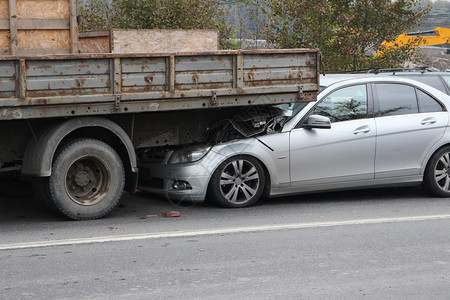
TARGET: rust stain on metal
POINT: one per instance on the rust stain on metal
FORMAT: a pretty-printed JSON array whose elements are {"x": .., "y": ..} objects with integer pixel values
[
  {"x": 41, "y": 67},
  {"x": 149, "y": 88},
  {"x": 195, "y": 78},
  {"x": 241, "y": 91},
  {"x": 73, "y": 92},
  {"x": 216, "y": 86},
  {"x": 268, "y": 83},
  {"x": 5, "y": 95},
  {"x": 80, "y": 82},
  {"x": 148, "y": 79}
]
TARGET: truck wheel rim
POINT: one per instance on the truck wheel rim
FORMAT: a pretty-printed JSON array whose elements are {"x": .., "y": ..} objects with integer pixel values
[
  {"x": 88, "y": 181},
  {"x": 239, "y": 181},
  {"x": 442, "y": 172}
]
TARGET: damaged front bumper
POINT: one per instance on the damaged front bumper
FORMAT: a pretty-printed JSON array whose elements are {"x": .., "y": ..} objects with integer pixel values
[{"x": 182, "y": 181}]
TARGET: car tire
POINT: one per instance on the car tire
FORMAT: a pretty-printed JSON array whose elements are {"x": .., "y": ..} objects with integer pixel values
[
  {"x": 87, "y": 180},
  {"x": 238, "y": 182},
  {"x": 437, "y": 173}
]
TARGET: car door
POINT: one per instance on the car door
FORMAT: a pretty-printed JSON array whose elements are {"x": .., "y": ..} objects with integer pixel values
[
  {"x": 409, "y": 122},
  {"x": 344, "y": 153}
]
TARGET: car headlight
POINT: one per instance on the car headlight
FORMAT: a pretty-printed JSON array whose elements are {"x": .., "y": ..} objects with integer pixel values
[{"x": 190, "y": 154}]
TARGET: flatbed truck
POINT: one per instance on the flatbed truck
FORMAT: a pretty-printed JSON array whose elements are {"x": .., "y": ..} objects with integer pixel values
[{"x": 71, "y": 124}]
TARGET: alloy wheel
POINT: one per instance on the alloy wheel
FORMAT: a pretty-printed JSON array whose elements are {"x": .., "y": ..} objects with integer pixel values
[
  {"x": 239, "y": 181},
  {"x": 442, "y": 172}
]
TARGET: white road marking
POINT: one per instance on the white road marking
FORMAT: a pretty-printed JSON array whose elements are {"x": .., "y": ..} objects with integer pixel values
[{"x": 178, "y": 234}]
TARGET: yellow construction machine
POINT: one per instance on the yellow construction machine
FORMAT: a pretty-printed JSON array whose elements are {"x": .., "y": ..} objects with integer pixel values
[{"x": 417, "y": 39}]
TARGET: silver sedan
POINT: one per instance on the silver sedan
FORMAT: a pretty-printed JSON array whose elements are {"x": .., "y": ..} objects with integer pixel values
[{"x": 361, "y": 133}]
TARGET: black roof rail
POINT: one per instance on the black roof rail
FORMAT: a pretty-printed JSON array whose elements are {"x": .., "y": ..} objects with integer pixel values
[
  {"x": 348, "y": 72},
  {"x": 393, "y": 70},
  {"x": 380, "y": 70}
]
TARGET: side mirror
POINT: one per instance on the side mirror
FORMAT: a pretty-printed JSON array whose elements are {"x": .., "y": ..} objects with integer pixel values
[{"x": 318, "y": 122}]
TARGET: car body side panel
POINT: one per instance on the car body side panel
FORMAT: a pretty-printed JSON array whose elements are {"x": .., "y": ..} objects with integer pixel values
[
  {"x": 445, "y": 140},
  {"x": 346, "y": 152},
  {"x": 403, "y": 142},
  {"x": 318, "y": 187},
  {"x": 272, "y": 150}
]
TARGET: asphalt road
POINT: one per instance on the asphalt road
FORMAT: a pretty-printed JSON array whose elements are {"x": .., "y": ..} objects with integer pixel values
[{"x": 375, "y": 244}]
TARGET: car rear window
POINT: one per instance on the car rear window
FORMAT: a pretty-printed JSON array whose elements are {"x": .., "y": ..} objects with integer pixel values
[
  {"x": 433, "y": 81},
  {"x": 428, "y": 103},
  {"x": 447, "y": 80}
]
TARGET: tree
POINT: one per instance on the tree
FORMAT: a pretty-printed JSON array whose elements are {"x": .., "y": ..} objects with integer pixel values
[
  {"x": 96, "y": 15},
  {"x": 347, "y": 32},
  {"x": 154, "y": 14}
]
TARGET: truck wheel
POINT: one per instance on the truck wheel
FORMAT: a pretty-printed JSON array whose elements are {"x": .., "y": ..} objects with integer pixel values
[
  {"x": 237, "y": 182},
  {"x": 437, "y": 173},
  {"x": 87, "y": 180}
]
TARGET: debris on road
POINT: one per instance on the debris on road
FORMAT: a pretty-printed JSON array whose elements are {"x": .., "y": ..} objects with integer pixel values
[{"x": 170, "y": 214}]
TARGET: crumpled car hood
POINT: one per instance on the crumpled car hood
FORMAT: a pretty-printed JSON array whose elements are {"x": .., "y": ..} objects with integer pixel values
[{"x": 250, "y": 121}]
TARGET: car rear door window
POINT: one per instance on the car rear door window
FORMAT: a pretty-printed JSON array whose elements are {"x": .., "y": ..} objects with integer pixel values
[
  {"x": 428, "y": 103},
  {"x": 396, "y": 99},
  {"x": 348, "y": 103}
]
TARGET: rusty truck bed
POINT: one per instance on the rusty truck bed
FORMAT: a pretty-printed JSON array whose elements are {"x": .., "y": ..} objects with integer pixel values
[{"x": 102, "y": 84}]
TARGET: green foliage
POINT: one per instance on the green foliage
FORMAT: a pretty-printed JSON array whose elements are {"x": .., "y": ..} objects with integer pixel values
[
  {"x": 233, "y": 43},
  {"x": 155, "y": 14},
  {"x": 347, "y": 32},
  {"x": 96, "y": 15}
]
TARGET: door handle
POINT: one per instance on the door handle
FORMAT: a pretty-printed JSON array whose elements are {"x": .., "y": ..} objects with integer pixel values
[
  {"x": 362, "y": 129},
  {"x": 428, "y": 121}
]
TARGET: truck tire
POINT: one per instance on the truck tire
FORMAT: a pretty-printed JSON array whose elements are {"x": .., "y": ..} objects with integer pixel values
[
  {"x": 87, "y": 180},
  {"x": 237, "y": 182}
]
